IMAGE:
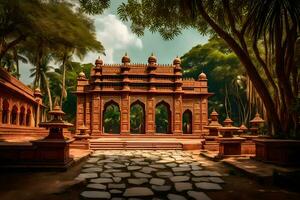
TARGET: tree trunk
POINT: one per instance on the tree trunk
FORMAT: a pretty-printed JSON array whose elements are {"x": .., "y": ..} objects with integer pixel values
[{"x": 63, "y": 79}]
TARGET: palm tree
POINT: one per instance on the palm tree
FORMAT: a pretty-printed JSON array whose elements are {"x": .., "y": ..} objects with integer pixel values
[{"x": 42, "y": 75}]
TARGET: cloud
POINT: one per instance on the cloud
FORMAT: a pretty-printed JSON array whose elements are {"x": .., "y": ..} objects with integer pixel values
[{"x": 114, "y": 35}]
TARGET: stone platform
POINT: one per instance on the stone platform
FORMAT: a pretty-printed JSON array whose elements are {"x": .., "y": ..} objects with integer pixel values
[
  {"x": 147, "y": 174},
  {"x": 145, "y": 143}
]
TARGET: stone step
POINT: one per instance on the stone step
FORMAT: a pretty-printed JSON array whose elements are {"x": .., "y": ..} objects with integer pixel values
[{"x": 134, "y": 145}]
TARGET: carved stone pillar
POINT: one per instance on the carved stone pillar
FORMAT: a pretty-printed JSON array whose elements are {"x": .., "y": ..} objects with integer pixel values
[
  {"x": 88, "y": 114},
  {"x": 197, "y": 117},
  {"x": 177, "y": 115},
  {"x": 18, "y": 118},
  {"x": 204, "y": 116},
  {"x": 150, "y": 116},
  {"x": 8, "y": 116},
  {"x": 125, "y": 112},
  {"x": 95, "y": 121},
  {"x": 37, "y": 116},
  {"x": 80, "y": 112}
]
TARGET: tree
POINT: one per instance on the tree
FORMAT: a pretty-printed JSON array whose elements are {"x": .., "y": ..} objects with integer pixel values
[
  {"x": 227, "y": 78},
  {"x": 243, "y": 25},
  {"x": 42, "y": 75}
]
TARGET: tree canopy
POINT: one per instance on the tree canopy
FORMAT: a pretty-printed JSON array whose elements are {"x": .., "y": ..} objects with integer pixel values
[{"x": 262, "y": 34}]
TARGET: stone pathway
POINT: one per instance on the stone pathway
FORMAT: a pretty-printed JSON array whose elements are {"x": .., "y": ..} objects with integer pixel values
[{"x": 148, "y": 174}]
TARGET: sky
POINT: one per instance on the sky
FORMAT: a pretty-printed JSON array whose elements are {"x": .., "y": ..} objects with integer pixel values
[{"x": 117, "y": 38}]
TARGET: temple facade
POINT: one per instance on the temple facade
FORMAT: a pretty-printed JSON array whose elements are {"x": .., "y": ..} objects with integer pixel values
[
  {"x": 167, "y": 104},
  {"x": 20, "y": 107}
]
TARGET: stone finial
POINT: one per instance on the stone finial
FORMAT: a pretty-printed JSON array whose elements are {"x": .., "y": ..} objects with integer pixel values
[
  {"x": 202, "y": 76},
  {"x": 98, "y": 61},
  {"x": 152, "y": 59},
  {"x": 177, "y": 61},
  {"x": 125, "y": 59},
  {"x": 81, "y": 75},
  {"x": 257, "y": 119},
  {"x": 227, "y": 122}
]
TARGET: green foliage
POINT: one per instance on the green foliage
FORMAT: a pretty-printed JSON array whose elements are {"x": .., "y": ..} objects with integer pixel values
[
  {"x": 162, "y": 118},
  {"x": 137, "y": 116},
  {"x": 224, "y": 71},
  {"x": 111, "y": 119}
]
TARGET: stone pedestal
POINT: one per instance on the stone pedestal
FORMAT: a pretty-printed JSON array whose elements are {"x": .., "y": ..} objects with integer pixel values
[
  {"x": 230, "y": 146},
  {"x": 53, "y": 153}
]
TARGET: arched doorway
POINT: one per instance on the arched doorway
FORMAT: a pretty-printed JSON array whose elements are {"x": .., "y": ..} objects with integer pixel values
[
  {"x": 111, "y": 118},
  {"x": 137, "y": 118},
  {"x": 14, "y": 114},
  {"x": 28, "y": 117},
  {"x": 187, "y": 122},
  {"x": 22, "y": 116},
  {"x": 163, "y": 118},
  {"x": 5, "y": 109}
]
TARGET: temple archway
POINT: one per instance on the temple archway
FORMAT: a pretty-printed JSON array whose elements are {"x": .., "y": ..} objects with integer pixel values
[
  {"x": 137, "y": 118},
  {"x": 187, "y": 122},
  {"x": 22, "y": 116},
  {"x": 5, "y": 110},
  {"x": 163, "y": 118},
  {"x": 14, "y": 115},
  {"x": 111, "y": 118},
  {"x": 28, "y": 117}
]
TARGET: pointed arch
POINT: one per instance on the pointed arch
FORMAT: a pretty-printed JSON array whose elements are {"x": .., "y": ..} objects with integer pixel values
[
  {"x": 137, "y": 117},
  {"x": 111, "y": 117},
  {"x": 187, "y": 122},
  {"x": 22, "y": 116},
  {"x": 14, "y": 115},
  {"x": 5, "y": 110},
  {"x": 28, "y": 117},
  {"x": 163, "y": 117}
]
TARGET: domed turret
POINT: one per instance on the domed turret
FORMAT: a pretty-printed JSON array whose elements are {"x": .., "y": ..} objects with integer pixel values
[
  {"x": 81, "y": 75},
  {"x": 177, "y": 61},
  {"x": 202, "y": 76},
  {"x": 125, "y": 59},
  {"x": 152, "y": 59},
  {"x": 98, "y": 61}
]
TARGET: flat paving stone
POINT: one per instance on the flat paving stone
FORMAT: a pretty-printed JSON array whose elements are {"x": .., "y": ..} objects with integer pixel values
[
  {"x": 117, "y": 179},
  {"x": 208, "y": 186},
  {"x": 183, "y": 186},
  {"x": 115, "y": 191},
  {"x": 138, "y": 192},
  {"x": 106, "y": 175},
  {"x": 122, "y": 174},
  {"x": 198, "y": 195},
  {"x": 116, "y": 186},
  {"x": 176, "y": 197},
  {"x": 200, "y": 179},
  {"x": 141, "y": 175},
  {"x": 148, "y": 170},
  {"x": 87, "y": 176},
  {"x": 96, "y": 195},
  {"x": 205, "y": 173},
  {"x": 161, "y": 188},
  {"x": 137, "y": 181},
  {"x": 171, "y": 165},
  {"x": 181, "y": 169},
  {"x": 164, "y": 174},
  {"x": 157, "y": 181},
  {"x": 158, "y": 166},
  {"x": 93, "y": 169},
  {"x": 96, "y": 186},
  {"x": 179, "y": 178},
  {"x": 101, "y": 180},
  {"x": 92, "y": 160},
  {"x": 132, "y": 168}
]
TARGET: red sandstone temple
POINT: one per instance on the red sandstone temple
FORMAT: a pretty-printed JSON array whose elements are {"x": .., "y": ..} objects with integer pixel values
[
  {"x": 21, "y": 109},
  {"x": 149, "y": 86}
]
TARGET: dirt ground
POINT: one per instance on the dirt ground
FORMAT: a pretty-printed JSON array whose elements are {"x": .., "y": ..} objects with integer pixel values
[{"x": 19, "y": 185}]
